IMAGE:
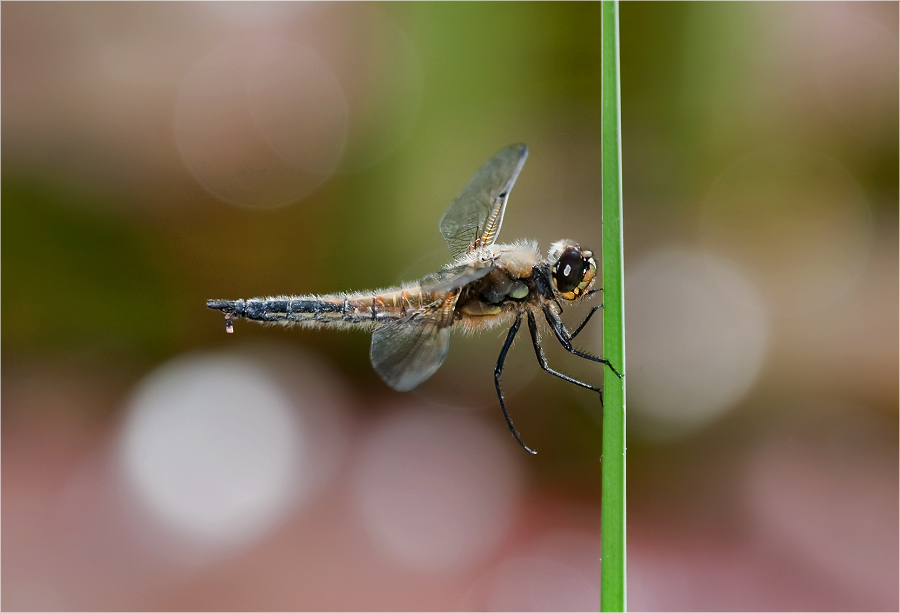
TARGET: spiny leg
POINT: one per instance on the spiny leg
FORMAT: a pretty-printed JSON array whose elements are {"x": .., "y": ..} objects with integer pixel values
[
  {"x": 586, "y": 319},
  {"x": 499, "y": 370},
  {"x": 542, "y": 359},
  {"x": 565, "y": 339}
]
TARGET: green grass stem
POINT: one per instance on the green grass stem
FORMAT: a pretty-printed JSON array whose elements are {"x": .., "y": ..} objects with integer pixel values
[{"x": 612, "y": 531}]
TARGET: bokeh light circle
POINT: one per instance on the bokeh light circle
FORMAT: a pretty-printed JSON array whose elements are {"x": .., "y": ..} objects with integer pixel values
[
  {"x": 211, "y": 450},
  {"x": 261, "y": 121},
  {"x": 697, "y": 337},
  {"x": 378, "y": 68},
  {"x": 437, "y": 489}
]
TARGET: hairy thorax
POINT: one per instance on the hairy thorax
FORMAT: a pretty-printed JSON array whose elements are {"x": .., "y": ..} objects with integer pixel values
[{"x": 495, "y": 298}]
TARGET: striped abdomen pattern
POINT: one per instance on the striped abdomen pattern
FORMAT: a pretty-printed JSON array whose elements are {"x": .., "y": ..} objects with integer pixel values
[{"x": 358, "y": 309}]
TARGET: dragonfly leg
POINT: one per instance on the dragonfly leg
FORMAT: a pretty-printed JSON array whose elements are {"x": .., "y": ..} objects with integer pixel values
[
  {"x": 499, "y": 370},
  {"x": 565, "y": 339},
  {"x": 586, "y": 319},
  {"x": 542, "y": 359}
]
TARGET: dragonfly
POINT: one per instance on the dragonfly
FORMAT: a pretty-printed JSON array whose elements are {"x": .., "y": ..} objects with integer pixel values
[{"x": 486, "y": 285}]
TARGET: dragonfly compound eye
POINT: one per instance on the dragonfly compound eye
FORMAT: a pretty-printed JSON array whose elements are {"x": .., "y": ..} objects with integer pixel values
[{"x": 573, "y": 272}]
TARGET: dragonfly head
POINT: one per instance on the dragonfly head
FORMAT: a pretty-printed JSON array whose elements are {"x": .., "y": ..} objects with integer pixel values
[{"x": 573, "y": 269}]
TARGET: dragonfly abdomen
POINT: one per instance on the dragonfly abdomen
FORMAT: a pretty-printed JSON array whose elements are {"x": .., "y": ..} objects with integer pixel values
[{"x": 364, "y": 309}]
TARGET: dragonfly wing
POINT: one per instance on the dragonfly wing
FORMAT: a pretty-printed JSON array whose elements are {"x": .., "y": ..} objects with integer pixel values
[
  {"x": 473, "y": 220},
  {"x": 456, "y": 277},
  {"x": 405, "y": 353}
]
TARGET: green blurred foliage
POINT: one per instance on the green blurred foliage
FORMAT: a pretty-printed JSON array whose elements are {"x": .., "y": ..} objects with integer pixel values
[{"x": 80, "y": 276}]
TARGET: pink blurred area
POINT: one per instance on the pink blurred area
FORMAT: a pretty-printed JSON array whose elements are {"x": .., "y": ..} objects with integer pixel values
[
  {"x": 418, "y": 509},
  {"x": 429, "y": 509},
  {"x": 158, "y": 155}
]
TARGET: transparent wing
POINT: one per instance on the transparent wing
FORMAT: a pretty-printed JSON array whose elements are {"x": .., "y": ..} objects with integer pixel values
[
  {"x": 408, "y": 351},
  {"x": 473, "y": 220},
  {"x": 453, "y": 278}
]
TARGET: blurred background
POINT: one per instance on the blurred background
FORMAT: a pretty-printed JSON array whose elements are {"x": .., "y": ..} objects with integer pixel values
[{"x": 157, "y": 155}]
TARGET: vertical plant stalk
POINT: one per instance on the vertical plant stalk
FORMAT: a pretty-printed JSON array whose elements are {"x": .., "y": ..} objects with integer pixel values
[{"x": 612, "y": 530}]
